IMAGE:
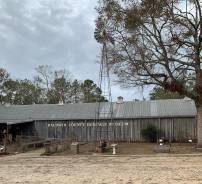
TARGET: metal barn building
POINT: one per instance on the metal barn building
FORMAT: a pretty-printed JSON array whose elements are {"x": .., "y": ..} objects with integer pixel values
[{"x": 175, "y": 118}]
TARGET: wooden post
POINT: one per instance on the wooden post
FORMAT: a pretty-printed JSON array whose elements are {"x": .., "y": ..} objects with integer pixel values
[{"x": 5, "y": 139}]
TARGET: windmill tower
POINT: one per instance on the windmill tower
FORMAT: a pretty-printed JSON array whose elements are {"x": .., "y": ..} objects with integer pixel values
[
  {"x": 104, "y": 110},
  {"x": 104, "y": 125}
]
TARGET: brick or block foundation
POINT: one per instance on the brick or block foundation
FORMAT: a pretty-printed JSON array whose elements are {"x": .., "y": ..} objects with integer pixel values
[{"x": 75, "y": 148}]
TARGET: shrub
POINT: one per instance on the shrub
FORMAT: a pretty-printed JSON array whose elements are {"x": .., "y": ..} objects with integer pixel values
[{"x": 150, "y": 133}]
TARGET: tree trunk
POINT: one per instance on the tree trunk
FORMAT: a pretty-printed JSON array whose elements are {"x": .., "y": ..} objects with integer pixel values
[{"x": 199, "y": 126}]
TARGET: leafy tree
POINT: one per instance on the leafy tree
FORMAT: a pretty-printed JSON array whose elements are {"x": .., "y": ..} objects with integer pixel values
[
  {"x": 160, "y": 93},
  {"x": 76, "y": 91},
  {"x": 155, "y": 42},
  {"x": 27, "y": 93},
  {"x": 91, "y": 93},
  {"x": 4, "y": 76},
  {"x": 21, "y": 92},
  {"x": 9, "y": 91},
  {"x": 60, "y": 91}
]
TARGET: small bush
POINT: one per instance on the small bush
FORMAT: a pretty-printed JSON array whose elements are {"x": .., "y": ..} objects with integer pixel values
[{"x": 150, "y": 133}]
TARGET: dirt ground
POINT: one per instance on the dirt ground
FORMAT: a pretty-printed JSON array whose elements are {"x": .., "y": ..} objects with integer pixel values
[{"x": 30, "y": 168}]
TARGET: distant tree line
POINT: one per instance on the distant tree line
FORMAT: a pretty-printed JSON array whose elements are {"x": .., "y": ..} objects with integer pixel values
[{"x": 47, "y": 87}]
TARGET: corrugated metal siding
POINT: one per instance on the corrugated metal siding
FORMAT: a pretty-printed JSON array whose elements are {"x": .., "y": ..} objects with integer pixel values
[
  {"x": 143, "y": 109},
  {"x": 173, "y": 129}
]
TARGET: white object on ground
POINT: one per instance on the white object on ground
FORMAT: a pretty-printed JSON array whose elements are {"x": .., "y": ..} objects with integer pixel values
[
  {"x": 1, "y": 148},
  {"x": 114, "y": 149},
  {"x": 161, "y": 142}
]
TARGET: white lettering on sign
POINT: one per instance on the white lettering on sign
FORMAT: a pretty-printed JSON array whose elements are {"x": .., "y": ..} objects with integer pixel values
[
  {"x": 81, "y": 124},
  {"x": 57, "y": 125}
]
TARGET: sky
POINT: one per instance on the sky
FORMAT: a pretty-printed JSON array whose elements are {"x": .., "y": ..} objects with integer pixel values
[{"x": 59, "y": 33}]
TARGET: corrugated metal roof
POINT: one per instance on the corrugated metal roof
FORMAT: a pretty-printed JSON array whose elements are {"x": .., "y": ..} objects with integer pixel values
[{"x": 135, "y": 109}]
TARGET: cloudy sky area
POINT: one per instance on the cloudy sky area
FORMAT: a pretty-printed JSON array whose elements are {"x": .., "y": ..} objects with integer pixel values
[{"x": 51, "y": 32}]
